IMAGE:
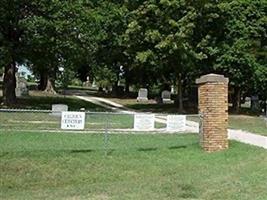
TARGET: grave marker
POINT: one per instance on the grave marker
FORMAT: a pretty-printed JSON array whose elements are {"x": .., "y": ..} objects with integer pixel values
[
  {"x": 142, "y": 94},
  {"x": 57, "y": 109},
  {"x": 21, "y": 87},
  {"x": 166, "y": 96}
]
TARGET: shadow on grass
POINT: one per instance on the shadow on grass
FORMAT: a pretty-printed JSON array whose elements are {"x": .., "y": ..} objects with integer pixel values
[
  {"x": 82, "y": 151},
  {"x": 177, "y": 147}
]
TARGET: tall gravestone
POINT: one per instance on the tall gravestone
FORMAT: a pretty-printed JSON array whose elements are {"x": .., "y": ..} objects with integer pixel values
[
  {"x": 255, "y": 104},
  {"x": 21, "y": 87},
  {"x": 142, "y": 94},
  {"x": 57, "y": 109},
  {"x": 166, "y": 96},
  {"x": 213, "y": 105}
]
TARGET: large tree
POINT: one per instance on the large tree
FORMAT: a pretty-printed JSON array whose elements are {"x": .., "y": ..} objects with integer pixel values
[
  {"x": 12, "y": 46},
  {"x": 161, "y": 35},
  {"x": 45, "y": 35},
  {"x": 62, "y": 36},
  {"x": 244, "y": 37}
]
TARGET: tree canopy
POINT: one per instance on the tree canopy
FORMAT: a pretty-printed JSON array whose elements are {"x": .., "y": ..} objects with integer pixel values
[{"x": 144, "y": 43}]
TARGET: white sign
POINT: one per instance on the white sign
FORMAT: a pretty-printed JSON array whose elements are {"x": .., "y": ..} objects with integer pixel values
[
  {"x": 176, "y": 122},
  {"x": 144, "y": 122},
  {"x": 72, "y": 120}
]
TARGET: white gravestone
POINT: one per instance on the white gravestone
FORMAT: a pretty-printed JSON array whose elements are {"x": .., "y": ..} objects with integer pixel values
[
  {"x": 142, "y": 94},
  {"x": 176, "y": 123},
  {"x": 57, "y": 109},
  {"x": 166, "y": 96},
  {"x": 255, "y": 105},
  {"x": 21, "y": 87},
  {"x": 72, "y": 120},
  {"x": 172, "y": 89},
  {"x": 144, "y": 122}
]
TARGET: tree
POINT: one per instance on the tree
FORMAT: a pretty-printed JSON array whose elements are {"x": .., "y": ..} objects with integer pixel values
[
  {"x": 109, "y": 56},
  {"x": 161, "y": 36},
  {"x": 63, "y": 35},
  {"x": 12, "y": 45},
  {"x": 45, "y": 35},
  {"x": 244, "y": 30}
]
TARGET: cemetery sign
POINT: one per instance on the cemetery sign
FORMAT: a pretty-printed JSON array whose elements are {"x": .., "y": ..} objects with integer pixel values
[
  {"x": 176, "y": 122},
  {"x": 144, "y": 122},
  {"x": 72, "y": 120}
]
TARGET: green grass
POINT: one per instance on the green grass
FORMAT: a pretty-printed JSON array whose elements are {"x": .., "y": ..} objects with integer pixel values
[
  {"x": 46, "y": 121},
  {"x": 153, "y": 106},
  {"x": 252, "y": 124},
  {"x": 45, "y": 103},
  {"x": 73, "y": 166}
]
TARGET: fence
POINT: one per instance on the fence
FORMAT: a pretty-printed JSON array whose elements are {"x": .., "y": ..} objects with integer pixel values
[{"x": 108, "y": 130}]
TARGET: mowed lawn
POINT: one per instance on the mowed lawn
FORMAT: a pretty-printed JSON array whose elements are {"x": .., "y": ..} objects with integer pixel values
[
  {"x": 253, "y": 124},
  {"x": 158, "y": 166}
]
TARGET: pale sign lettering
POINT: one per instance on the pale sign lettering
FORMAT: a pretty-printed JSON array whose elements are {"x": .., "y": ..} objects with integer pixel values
[
  {"x": 176, "y": 122},
  {"x": 144, "y": 122}
]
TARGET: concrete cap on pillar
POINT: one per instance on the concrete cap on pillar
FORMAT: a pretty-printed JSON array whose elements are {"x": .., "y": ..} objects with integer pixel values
[{"x": 212, "y": 78}]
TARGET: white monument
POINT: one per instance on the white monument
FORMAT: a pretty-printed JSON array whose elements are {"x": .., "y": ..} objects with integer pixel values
[
  {"x": 166, "y": 96},
  {"x": 21, "y": 87},
  {"x": 57, "y": 109},
  {"x": 142, "y": 94}
]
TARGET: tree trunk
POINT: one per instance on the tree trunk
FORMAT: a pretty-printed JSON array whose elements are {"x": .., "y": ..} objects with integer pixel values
[
  {"x": 43, "y": 81},
  {"x": 127, "y": 81},
  {"x": 127, "y": 86},
  {"x": 49, "y": 87},
  {"x": 179, "y": 99},
  {"x": 9, "y": 84},
  {"x": 237, "y": 99}
]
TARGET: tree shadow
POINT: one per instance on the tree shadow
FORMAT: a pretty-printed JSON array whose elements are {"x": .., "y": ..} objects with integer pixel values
[
  {"x": 82, "y": 151},
  {"x": 177, "y": 147}
]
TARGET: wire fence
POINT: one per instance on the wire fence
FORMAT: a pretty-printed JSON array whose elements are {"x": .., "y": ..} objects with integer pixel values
[{"x": 102, "y": 130}]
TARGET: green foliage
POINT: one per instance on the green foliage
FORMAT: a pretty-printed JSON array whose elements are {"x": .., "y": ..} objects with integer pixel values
[
  {"x": 243, "y": 27},
  {"x": 65, "y": 78},
  {"x": 105, "y": 77},
  {"x": 156, "y": 41}
]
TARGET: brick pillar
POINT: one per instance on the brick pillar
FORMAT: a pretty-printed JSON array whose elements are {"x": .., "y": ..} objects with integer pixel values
[{"x": 213, "y": 104}]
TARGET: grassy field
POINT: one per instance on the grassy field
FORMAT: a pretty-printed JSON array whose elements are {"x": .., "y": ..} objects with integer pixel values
[
  {"x": 152, "y": 106},
  {"x": 37, "y": 100},
  {"x": 74, "y": 166},
  {"x": 46, "y": 121},
  {"x": 252, "y": 124},
  {"x": 45, "y": 103}
]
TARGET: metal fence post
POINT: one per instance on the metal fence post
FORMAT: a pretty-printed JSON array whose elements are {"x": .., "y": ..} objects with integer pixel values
[{"x": 106, "y": 136}]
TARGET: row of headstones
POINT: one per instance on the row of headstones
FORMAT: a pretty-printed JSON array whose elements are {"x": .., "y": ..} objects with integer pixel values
[{"x": 143, "y": 95}]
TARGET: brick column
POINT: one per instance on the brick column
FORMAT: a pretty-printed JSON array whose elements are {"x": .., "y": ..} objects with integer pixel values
[{"x": 213, "y": 104}]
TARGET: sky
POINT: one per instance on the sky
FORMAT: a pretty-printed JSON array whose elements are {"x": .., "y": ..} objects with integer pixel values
[{"x": 24, "y": 69}]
